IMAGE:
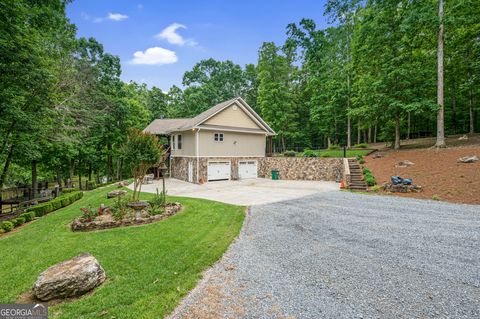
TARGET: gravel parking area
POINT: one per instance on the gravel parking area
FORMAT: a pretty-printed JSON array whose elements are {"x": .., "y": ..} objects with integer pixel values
[{"x": 344, "y": 255}]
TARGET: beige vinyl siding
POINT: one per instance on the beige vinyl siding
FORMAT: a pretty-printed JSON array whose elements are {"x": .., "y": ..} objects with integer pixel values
[
  {"x": 234, "y": 144},
  {"x": 188, "y": 144},
  {"x": 233, "y": 117}
]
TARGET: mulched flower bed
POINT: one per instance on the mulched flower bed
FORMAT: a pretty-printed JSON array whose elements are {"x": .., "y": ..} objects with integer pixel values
[{"x": 107, "y": 220}]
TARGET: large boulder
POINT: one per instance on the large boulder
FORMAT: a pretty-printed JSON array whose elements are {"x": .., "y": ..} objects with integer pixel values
[
  {"x": 116, "y": 193},
  {"x": 70, "y": 278}
]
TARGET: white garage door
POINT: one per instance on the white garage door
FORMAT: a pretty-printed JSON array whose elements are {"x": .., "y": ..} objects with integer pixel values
[
  {"x": 218, "y": 171},
  {"x": 247, "y": 169}
]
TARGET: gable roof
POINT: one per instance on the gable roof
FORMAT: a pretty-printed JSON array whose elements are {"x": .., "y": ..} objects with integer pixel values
[{"x": 167, "y": 126}]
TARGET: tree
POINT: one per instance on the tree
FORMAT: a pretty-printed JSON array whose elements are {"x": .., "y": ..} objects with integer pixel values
[
  {"x": 141, "y": 151},
  {"x": 440, "y": 98}
]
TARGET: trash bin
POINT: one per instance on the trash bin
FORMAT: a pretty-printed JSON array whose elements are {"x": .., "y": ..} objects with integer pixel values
[{"x": 275, "y": 174}]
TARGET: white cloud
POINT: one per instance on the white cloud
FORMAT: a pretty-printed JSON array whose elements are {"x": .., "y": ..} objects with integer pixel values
[
  {"x": 170, "y": 34},
  {"x": 117, "y": 16},
  {"x": 154, "y": 56}
]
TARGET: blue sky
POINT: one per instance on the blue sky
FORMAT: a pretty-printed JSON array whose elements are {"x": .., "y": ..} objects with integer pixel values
[{"x": 157, "y": 41}]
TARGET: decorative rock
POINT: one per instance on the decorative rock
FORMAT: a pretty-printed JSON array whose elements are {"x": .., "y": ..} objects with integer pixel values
[
  {"x": 377, "y": 155},
  {"x": 70, "y": 278},
  {"x": 116, "y": 193},
  {"x": 123, "y": 183},
  {"x": 401, "y": 188},
  {"x": 468, "y": 159},
  {"x": 463, "y": 138},
  {"x": 139, "y": 218},
  {"x": 405, "y": 163}
]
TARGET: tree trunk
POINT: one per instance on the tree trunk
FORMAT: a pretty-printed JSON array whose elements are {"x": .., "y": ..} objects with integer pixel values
[
  {"x": 408, "y": 126},
  {"x": 397, "y": 132},
  {"x": 109, "y": 161},
  {"x": 79, "y": 176},
  {"x": 34, "y": 180},
  {"x": 349, "y": 132},
  {"x": 364, "y": 136},
  {"x": 375, "y": 134},
  {"x": 72, "y": 172},
  {"x": 59, "y": 177},
  {"x": 89, "y": 172},
  {"x": 454, "y": 108},
  {"x": 358, "y": 133},
  {"x": 8, "y": 160},
  {"x": 118, "y": 169},
  {"x": 369, "y": 135},
  {"x": 471, "y": 115},
  {"x": 329, "y": 142},
  {"x": 440, "y": 85}
]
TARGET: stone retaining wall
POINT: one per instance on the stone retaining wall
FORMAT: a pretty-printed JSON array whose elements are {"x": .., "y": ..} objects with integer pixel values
[
  {"x": 302, "y": 168},
  {"x": 292, "y": 168}
]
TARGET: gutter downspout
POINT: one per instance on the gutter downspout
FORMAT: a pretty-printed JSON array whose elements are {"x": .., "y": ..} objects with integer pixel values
[{"x": 197, "y": 151}]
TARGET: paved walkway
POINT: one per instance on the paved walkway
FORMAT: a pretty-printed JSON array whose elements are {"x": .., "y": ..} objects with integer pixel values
[
  {"x": 244, "y": 192},
  {"x": 344, "y": 255}
]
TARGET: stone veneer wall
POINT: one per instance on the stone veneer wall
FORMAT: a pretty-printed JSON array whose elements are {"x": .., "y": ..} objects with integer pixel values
[
  {"x": 292, "y": 168},
  {"x": 302, "y": 168},
  {"x": 179, "y": 168}
]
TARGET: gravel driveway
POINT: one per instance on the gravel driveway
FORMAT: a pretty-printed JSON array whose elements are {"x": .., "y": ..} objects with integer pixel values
[{"x": 344, "y": 255}]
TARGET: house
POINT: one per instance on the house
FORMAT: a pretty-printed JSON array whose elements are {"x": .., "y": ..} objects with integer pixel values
[{"x": 225, "y": 142}]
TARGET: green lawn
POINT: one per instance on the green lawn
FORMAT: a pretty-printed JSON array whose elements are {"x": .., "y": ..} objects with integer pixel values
[
  {"x": 149, "y": 268},
  {"x": 339, "y": 153}
]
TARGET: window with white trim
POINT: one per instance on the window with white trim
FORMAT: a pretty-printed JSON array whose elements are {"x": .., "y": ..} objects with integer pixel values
[
  {"x": 173, "y": 142},
  {"x": 179, "y": 141},
  {"x": 218, "y": 137}
]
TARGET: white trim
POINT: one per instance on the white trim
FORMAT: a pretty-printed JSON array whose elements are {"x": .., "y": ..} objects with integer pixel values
[
  {"x": 252, "y": 111},
  {"x": 229, "y": 130},
  {"x": 245, "y": 110},
  {"x": 219, "y": 134},
  {"x": 197, "y": 151}
]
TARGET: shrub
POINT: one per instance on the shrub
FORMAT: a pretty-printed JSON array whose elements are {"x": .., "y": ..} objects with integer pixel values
[
  {"x": 289, "y": 154},
  {"x": 435, "y": 197},
  {"x": 18, "y": 221},
  {"x": 310, "y": 153},
  {"x": 334, "y": 147},
  {"x": 68, "y": 190},
  {"x": 370, "y": 180},
  {"x": 6, "y": 226},
  {"x": 91, "y": 185},
  {"x": 326, "y": 155},
  {"x": 41, "y": 209},
  {"x": 66, "y": 201},
  {"x": 361, "y": 145},
  {"x": 56, "y": 204},
  {"x": 366, "y": 170},
  {"x": 29, "y": 216},
  {"x": 375, "y": 188}
]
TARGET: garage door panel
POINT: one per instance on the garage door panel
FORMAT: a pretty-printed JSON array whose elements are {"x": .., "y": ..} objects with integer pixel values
[
  {"x": 247, "y": 169},
  {"x": 217, "y": 171}
]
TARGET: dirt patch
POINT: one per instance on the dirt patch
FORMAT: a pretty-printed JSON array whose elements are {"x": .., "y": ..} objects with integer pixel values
[{"x": 437, "y": 171}]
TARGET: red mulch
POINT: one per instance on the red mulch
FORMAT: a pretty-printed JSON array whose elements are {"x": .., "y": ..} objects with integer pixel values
[{"x": 437, "y": 171}]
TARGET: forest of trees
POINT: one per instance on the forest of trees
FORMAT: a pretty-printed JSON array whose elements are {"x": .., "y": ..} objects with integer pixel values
[{"x": 372, "y": 76}]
